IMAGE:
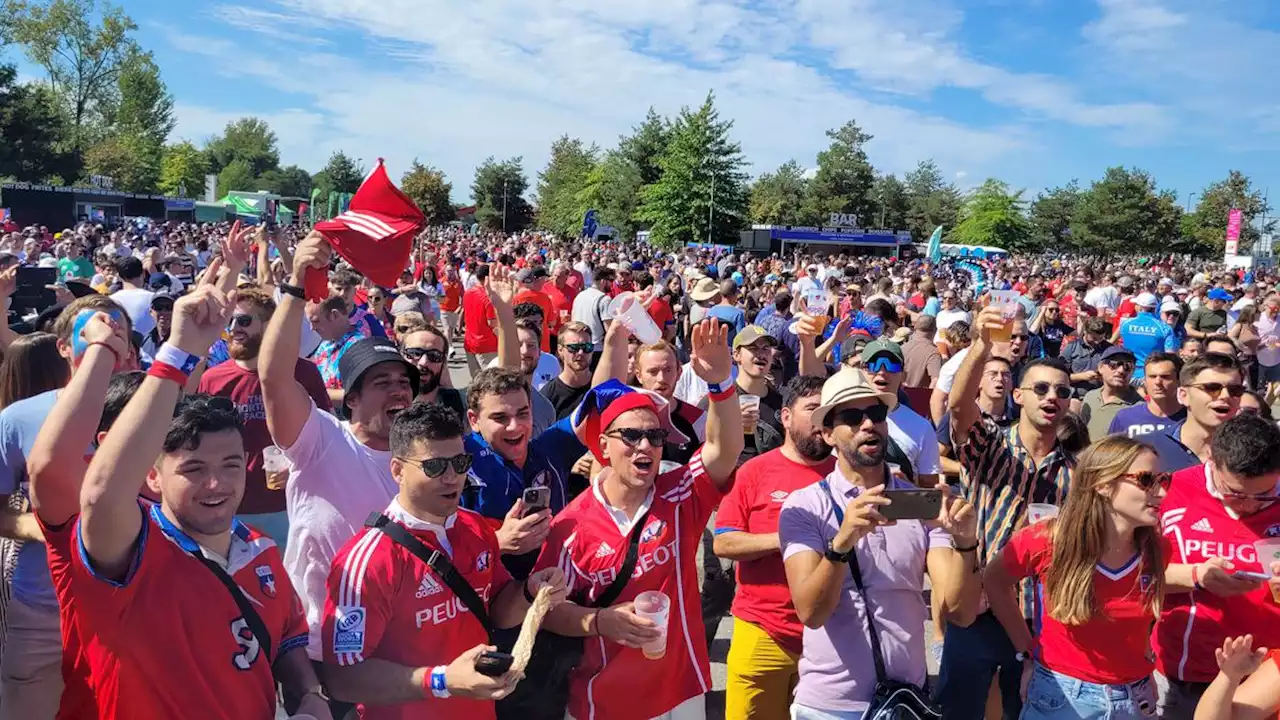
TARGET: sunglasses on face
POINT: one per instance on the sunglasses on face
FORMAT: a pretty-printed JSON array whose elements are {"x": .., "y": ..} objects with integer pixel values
[
  {"x": 1119, "y": 364},
  {"x": 1147, "y": 480},
  {"x": 575, "y": 348},
  {"x": 435, "y": 467},
  {"x": 237, "y": 321},
  {"x": 631, "y": 437},
  {"x": 1019, "y": 336},
  {"x": 884, "y": 364},
  {"x": 854, "y": 416},
  {"x": 416, "y": 354},
  {"x": 1235, "y": 390},
  {"x": 1041, "y": 389}
]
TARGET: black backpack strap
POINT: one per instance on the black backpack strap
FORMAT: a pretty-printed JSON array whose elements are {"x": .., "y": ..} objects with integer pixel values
[
  {"x": 247, "y": 611},
  {"x": 437, "y": 561},
  {"x": 619, "y": 583}
]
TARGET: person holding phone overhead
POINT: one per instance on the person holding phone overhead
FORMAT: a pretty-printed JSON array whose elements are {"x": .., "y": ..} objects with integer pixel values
[
  {"x": 1101, "y": 564},
  {"x": 838, "y": 545}
]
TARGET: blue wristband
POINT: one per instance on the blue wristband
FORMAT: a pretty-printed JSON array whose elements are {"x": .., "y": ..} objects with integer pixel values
[{"x": 438, "y": 687}]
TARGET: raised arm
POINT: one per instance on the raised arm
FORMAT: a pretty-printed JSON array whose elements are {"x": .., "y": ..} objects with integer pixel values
[
  {"x": 712, "y": 362},
  {"x": 502, "y": 289},
  {"x": 56, "y": 465},
  {"x": 287, "y": 404},
  {"x": 110, "y": 518},
  {"x": 613, "y": 360},
  {"x": 963, "y": 400}
]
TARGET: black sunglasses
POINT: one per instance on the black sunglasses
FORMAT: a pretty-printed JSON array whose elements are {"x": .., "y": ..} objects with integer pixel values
[
  {"x": 416, "y": 354},
  {"x": 631, "y": 437},
  {"x": 1213, "y": 388},
  {"x": 1148, "y": 480},
  {"x": 1062, "y": 392},
  {"x": 240, "y": 321},
  {"x": 854, "y": 416},
  {"x": 435, "y": 467},
  {"x": 579, "y": 347}
]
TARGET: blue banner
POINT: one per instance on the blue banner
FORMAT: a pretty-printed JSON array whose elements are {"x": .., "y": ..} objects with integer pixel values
[{"x": 935, "y": 245}]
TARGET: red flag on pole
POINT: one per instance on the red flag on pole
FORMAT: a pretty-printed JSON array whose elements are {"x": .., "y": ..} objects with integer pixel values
[{"x": 375, "y": 234}]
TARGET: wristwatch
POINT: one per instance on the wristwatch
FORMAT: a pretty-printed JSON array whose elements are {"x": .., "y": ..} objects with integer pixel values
[
  {"x": 1022, "y": 655},
  {"x": 837, "y": 557},
  {"x": 293, "y": 290}
]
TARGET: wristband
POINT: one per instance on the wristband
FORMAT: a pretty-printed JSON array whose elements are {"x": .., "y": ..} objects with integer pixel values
[
  {"x": 528, "y": 596},
  {"x": 720, "y": 395},
  {"x": 1195, "y": 577},
  {"x": 169, "y": 354},
  {"x": 436, "y": 682},
  {"x": 967, "y": 548},
  {"x": 293, "y": 290},
  {"x": 722, "y": 386},
  {"x": 165, "y": 371}
]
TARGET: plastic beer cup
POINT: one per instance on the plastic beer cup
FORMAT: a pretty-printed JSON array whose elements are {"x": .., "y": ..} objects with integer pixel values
[
  {"x": 655, "y": 606},
  {"x": 1039, "y": 512},
  {"x": 1007, "y": 301},
  {"x": 747, "y": 403},
  {"x": 1268, "y": 550}
]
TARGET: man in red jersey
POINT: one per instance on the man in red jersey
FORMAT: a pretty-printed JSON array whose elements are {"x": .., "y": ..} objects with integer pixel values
[
  {"x": 479, "y": 340},
  {"x": 135, "y": 569},
  {"x": 532, "y": 281},
  {"x": 589, "y": 539},
  {"x": 396, "y": 637},
  {"x": 1212, "y": 516},
  {"x": 764, "y": 654}
]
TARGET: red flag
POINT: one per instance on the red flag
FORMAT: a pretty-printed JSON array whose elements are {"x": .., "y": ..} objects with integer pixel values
[{"x": 375, "y": 234}]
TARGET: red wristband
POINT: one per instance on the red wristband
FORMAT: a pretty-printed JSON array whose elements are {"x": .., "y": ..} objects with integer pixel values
[
  {"x": 725, "y": 395},
  {"x": 1195, "y": 577},
  {"x": 165, "y": 371}
]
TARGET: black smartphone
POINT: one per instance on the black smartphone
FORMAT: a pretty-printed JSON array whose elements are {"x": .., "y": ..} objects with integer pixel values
[
  {"x": 536, "y": 499},
  {"x": 494, "y": 664},
  {"x": 911, "y": 504}
]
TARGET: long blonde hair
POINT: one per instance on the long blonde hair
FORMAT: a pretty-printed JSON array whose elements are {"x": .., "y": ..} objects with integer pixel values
[{"x": 1079, "y": 534}]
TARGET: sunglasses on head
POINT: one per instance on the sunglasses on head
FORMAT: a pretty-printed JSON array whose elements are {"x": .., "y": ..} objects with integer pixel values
[
  {"x": 416, "y": 354},
  {"x": 435, "y": 467},
  {"x": 1147, "y": 480},
  {"x": 1235, "y": 390},
  {"x": 884, "y": 364},
  {"x": 240, "y": 321},
  {"x": 854, "y": 416},
  {"x": 575, "y": 348},
  {"x": 1041, "y": 389},
  {"x": 631, "y": 437}
]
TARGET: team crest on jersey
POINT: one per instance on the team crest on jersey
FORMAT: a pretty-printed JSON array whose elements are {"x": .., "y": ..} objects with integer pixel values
[
  {"x": 1272, "y": 531},
  {"x": 1144, "y": 583},
  {"x": 653, "y": 530},
  {"x": 348, "y": 631},
  {"x": 779, "y": 495},
  {"x": 542, "y": 479},
  {"x": 482, "y": 561},
  {"x": 266, "y": 580}
]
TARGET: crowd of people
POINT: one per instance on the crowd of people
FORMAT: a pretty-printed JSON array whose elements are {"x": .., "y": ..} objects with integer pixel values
[{"x": 228, "y": 498}]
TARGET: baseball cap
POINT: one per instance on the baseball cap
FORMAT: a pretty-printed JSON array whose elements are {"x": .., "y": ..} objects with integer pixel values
[
  {"x": 1170, "y": 305},
  {"x": 1146, "y": 300},
  {"x": 1125, "y": 281},
  {"x": 1219, "y": 294},
  {"x": 1116, "y": 351},
  {"x": 750, "y": 334},
  {"x": 162, "y": 303},
  {"x": 882, "y": 346},
  {"x": 405, "y": 303},
  {"x": 362, "y": 356}
]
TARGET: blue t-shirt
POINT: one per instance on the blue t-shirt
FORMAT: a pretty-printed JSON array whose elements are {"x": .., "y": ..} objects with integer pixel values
[
  {"x": 1138, "y": 420},
  {"x": 19, "y": 425},
  {"x": 1171, "y": 454},
  {"x": 494, "y": 484},
  {"x": 932, "y": 306},
  {"x": 732, "y": 316},
  {"x": 1143, "y": 335}
]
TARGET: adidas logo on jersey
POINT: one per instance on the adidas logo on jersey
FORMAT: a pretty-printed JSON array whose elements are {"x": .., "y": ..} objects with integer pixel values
[
  {"x": 1202, "y": 525},
  {"x": 428, "y": 587},
  {"x": 604, "y": 551}
]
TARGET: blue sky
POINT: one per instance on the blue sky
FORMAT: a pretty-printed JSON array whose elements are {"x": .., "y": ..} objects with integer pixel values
[{"x": 1035, "y": 92}]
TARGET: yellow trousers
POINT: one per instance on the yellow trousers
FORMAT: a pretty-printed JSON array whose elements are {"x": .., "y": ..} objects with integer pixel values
[{"x": 762, "y": 675}]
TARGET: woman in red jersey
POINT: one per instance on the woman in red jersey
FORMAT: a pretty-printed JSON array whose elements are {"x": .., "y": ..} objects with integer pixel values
[
  {"x": 1101, "y": 567},
  {"x": 1230, "y": 696}
]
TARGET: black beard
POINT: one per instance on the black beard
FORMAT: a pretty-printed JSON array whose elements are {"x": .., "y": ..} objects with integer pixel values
[
  {"x": 863, "y": 459},
  {"x": 812, "y": 448},
  {"x": 246, "y": 351},
  {"x": 427, "y": 382}
]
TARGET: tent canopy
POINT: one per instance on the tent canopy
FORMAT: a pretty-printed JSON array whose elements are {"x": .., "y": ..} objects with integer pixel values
[{"x": 250, "y": 205}]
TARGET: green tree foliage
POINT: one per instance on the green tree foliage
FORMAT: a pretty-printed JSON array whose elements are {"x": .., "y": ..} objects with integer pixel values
[
  {"x": 32, "y": 132},
  {"x": 645, "y": 146},
  {"x": 427, "y": 187},
  {"x": 701, "y": 169},
  {"x": 498, "y": 186},
  {"x": 130, "y": 160},
  {"x": 288, "y": 181},
  {"x": 236, "y": 176},
  {"x": 182, "y": 168},
  {"x": 143, "y": 105},
  {"x": 340, "y": 174},
  {"x": 844, "y": 178},
  {"x": 612, "y": 189},
  {"x": 776, "y": 197},
  {"x": 82, "y": 45},
  {"x": 931, "y": 201},
  {"x": 892, "y": 202},
  {"x": 994, "y": 215},
  {"x": 1051, "y": 214},
  {"x": 249, "y": 140},
  {"x": 561, "y": 181},
  {"x": 1206, "y": 227},
  {"x": 1125, "y": 213}
]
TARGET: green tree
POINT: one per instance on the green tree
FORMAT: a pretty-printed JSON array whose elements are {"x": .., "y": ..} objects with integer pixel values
[
  {"x": 33, "y": 132},
  {"x": 1124, "y": 213},
  {"x": 612, "y": 189},
  {"x": 844, "y": 178},
  {"x": 143, "y": 105},
  {"x": 1051, "y": 214},
  {"x": 1207, "y": 226},
  {"x": 561, "y": 181},
  {"x": 892, "y": 202},
  {"x": 82, "y": 45},
  {"x": 428, "y": 188},
  {"x": 994, "y": 215},
  {"x": 248, "y": 139},
  {"x": 236, "y": 176},
  {"x": 702, "y": 194},
  {"x": 131, "y": 160},
  {"x": 776, "y": 197},
  {"x": 182, "y": 170},
  {"x": 932, "y": 201},
  {"x": 340, "y": 175},
  {"x": 646, "y": 144},
  {"x": 498, "y": 189},
  {"x": 288, "y": 181}
]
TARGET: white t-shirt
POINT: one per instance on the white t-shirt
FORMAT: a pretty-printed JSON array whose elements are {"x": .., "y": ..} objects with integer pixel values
[
  {"x": 1106, "y": 296},
  {"x": 916, "y": 438},
  {"x": 548, "y": 368},
  {"x": 585, "y": 269},
  {"x": 947, "y": 375},
  {"x": 1234, "y": 313},
  {"x": 137, "y": 304},
  {"x": 807, "y": 286},
  {"x": 335, "y": 482},
  {"x": 947, "y": 318}
]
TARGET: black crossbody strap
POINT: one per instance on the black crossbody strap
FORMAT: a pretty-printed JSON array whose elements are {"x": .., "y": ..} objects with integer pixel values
[
  {"x": 856, "y": 571},
  {"x": 437, "y": 561},
  {"x": 619, "y": 583},
  {"x": 247, "y": 611}
]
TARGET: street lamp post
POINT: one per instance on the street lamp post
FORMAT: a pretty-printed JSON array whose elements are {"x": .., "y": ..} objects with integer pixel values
[
  {"x": 711, "y": 211},
  {"x": 504, "y": 206}
]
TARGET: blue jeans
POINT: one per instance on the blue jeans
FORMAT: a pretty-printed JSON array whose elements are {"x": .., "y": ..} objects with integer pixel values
[
  {"x": 1053, "y": 695},
  {"x": 971, "y": 657}
]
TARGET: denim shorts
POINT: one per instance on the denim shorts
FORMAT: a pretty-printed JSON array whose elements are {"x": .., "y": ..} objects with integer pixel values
[{"x": 1056, "y": 696}]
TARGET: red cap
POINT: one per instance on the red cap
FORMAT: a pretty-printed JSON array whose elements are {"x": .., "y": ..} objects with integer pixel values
[{"x": 626, "y": 403}]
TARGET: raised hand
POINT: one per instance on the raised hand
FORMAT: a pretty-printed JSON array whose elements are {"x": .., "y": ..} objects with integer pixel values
[
  {"x": 9, "y": 281},
  {"x": 235, "y": 247},
  {"x": 313, "y": 252},
  {"x": 1237, "y": 659},
  {"x": 957, "y": 517},
  {"x": 200, "y": 316},
  {"x": 500, "y": 285},
  {"x": 711, "y": 359}
]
